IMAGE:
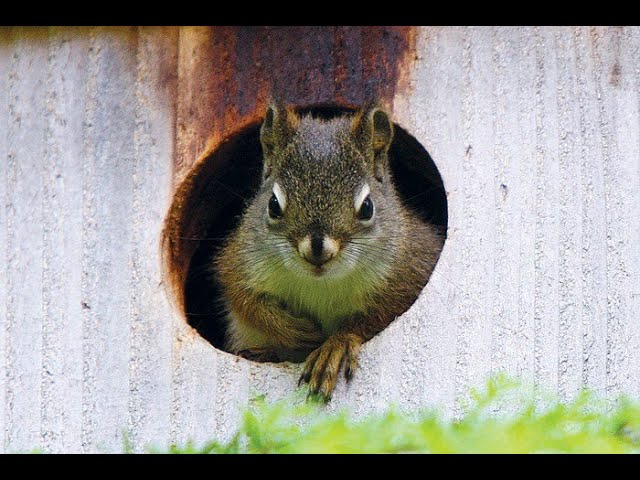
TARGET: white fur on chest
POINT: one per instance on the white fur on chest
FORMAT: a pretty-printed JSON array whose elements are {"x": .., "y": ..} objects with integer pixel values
[
  {"x": 330, "y": 300},
  {"x": 344, "y": 290}
]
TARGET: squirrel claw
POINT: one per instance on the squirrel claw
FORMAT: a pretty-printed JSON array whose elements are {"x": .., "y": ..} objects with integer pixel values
[
  {"x": 305, "y": 376},
  {"x": 348, "y": 374},
  {"x": 324, "y": 364}
]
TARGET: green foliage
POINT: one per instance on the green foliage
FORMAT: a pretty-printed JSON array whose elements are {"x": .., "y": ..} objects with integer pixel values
[{"x": 585, "y": 425}]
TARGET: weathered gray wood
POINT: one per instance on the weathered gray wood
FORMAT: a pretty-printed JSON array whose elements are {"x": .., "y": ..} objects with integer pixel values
[
  {"x": 536, "y": 132},
  {"x": 540, "y": 139},
  {"x": 62, "y": 221},
  {"x": 620, "y": 134},
  {"x": 429, "y": 365},
  {"x": 477, "y": 147},
  {"x": 5, "y": 62},
  {"x": 632, "y": 55},
  {"x": 570, "y": 217},
  {"x": 107, "y": 235},
  {"x": 546, "y": 169},
  {"x": 27, "y": 124},
  {"x": 151, "y": 324},
  {"x": 594, "y": 228}
]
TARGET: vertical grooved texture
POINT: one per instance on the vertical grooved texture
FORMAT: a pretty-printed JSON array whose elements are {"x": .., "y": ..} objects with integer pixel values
[
  {"x": 150, "y": 368},
  {"x": 547, "y": 227},
  {"x": 62, "y": 221},
  {"x": 6, "y": 54},
  {"x": 536, "y": 131},
  {"x": 26, "y": 145},
  {"x": 107, "y": 247}
]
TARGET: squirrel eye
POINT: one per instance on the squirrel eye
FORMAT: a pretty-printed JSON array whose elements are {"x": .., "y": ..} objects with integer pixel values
[
  {"x": 366, "y": 209},
  {"x": 275, "y": 211}
]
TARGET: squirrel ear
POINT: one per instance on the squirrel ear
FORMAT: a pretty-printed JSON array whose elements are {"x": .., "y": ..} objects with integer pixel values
[
  {"x": 373, "y": 130},
  {"x": 279, "y": 126}
]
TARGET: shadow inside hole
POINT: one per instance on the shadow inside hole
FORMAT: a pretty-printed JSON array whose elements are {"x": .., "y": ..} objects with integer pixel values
[{"x": 234, "y": 180}]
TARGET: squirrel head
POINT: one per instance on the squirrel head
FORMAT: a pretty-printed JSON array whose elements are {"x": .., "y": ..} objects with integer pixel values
[{"x": 326, "y": 204}]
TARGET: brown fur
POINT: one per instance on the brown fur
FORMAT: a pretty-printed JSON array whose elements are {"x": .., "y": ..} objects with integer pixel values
[{"x": 321, "y": 164}]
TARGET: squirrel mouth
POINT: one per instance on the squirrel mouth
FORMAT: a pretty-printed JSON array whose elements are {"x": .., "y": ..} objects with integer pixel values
[
  {"x": 318, "y": 270},
  {"x": 324, "y": 269}
]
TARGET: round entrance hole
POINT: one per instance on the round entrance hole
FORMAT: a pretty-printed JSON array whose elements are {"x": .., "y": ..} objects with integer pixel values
[{"x": 210, "y": 201}]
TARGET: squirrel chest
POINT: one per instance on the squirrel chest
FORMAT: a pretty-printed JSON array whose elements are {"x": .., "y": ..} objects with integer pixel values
[{"x": 328, "y": 301}]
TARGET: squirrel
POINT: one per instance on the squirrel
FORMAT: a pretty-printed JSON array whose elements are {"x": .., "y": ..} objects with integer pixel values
[{"x": 325, "y": 255}]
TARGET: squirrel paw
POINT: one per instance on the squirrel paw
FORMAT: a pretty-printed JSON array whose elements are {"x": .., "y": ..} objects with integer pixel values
[
  {"x": 259, "y": 355},
  {"x": 323, "y": 365}
]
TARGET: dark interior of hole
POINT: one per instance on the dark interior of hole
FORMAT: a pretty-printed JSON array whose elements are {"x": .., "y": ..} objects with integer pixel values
[{"x": 239, "y": 167}]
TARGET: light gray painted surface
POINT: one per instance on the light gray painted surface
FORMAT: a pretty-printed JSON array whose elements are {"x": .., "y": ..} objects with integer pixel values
[{"x": 536, "y": 132}]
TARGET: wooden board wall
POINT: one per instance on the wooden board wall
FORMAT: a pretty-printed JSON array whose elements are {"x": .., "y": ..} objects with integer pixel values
[{"x": 536, "y": 132}]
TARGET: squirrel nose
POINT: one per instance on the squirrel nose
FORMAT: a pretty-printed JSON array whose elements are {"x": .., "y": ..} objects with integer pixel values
[{"x": 317, "y": 249}]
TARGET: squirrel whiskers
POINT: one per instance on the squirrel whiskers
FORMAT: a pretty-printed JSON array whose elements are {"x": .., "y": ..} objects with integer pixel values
[{"x": 326, "y": 255}]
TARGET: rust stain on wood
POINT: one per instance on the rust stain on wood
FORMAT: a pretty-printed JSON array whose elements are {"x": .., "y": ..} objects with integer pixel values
[{"x": 226, "y": 74}]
